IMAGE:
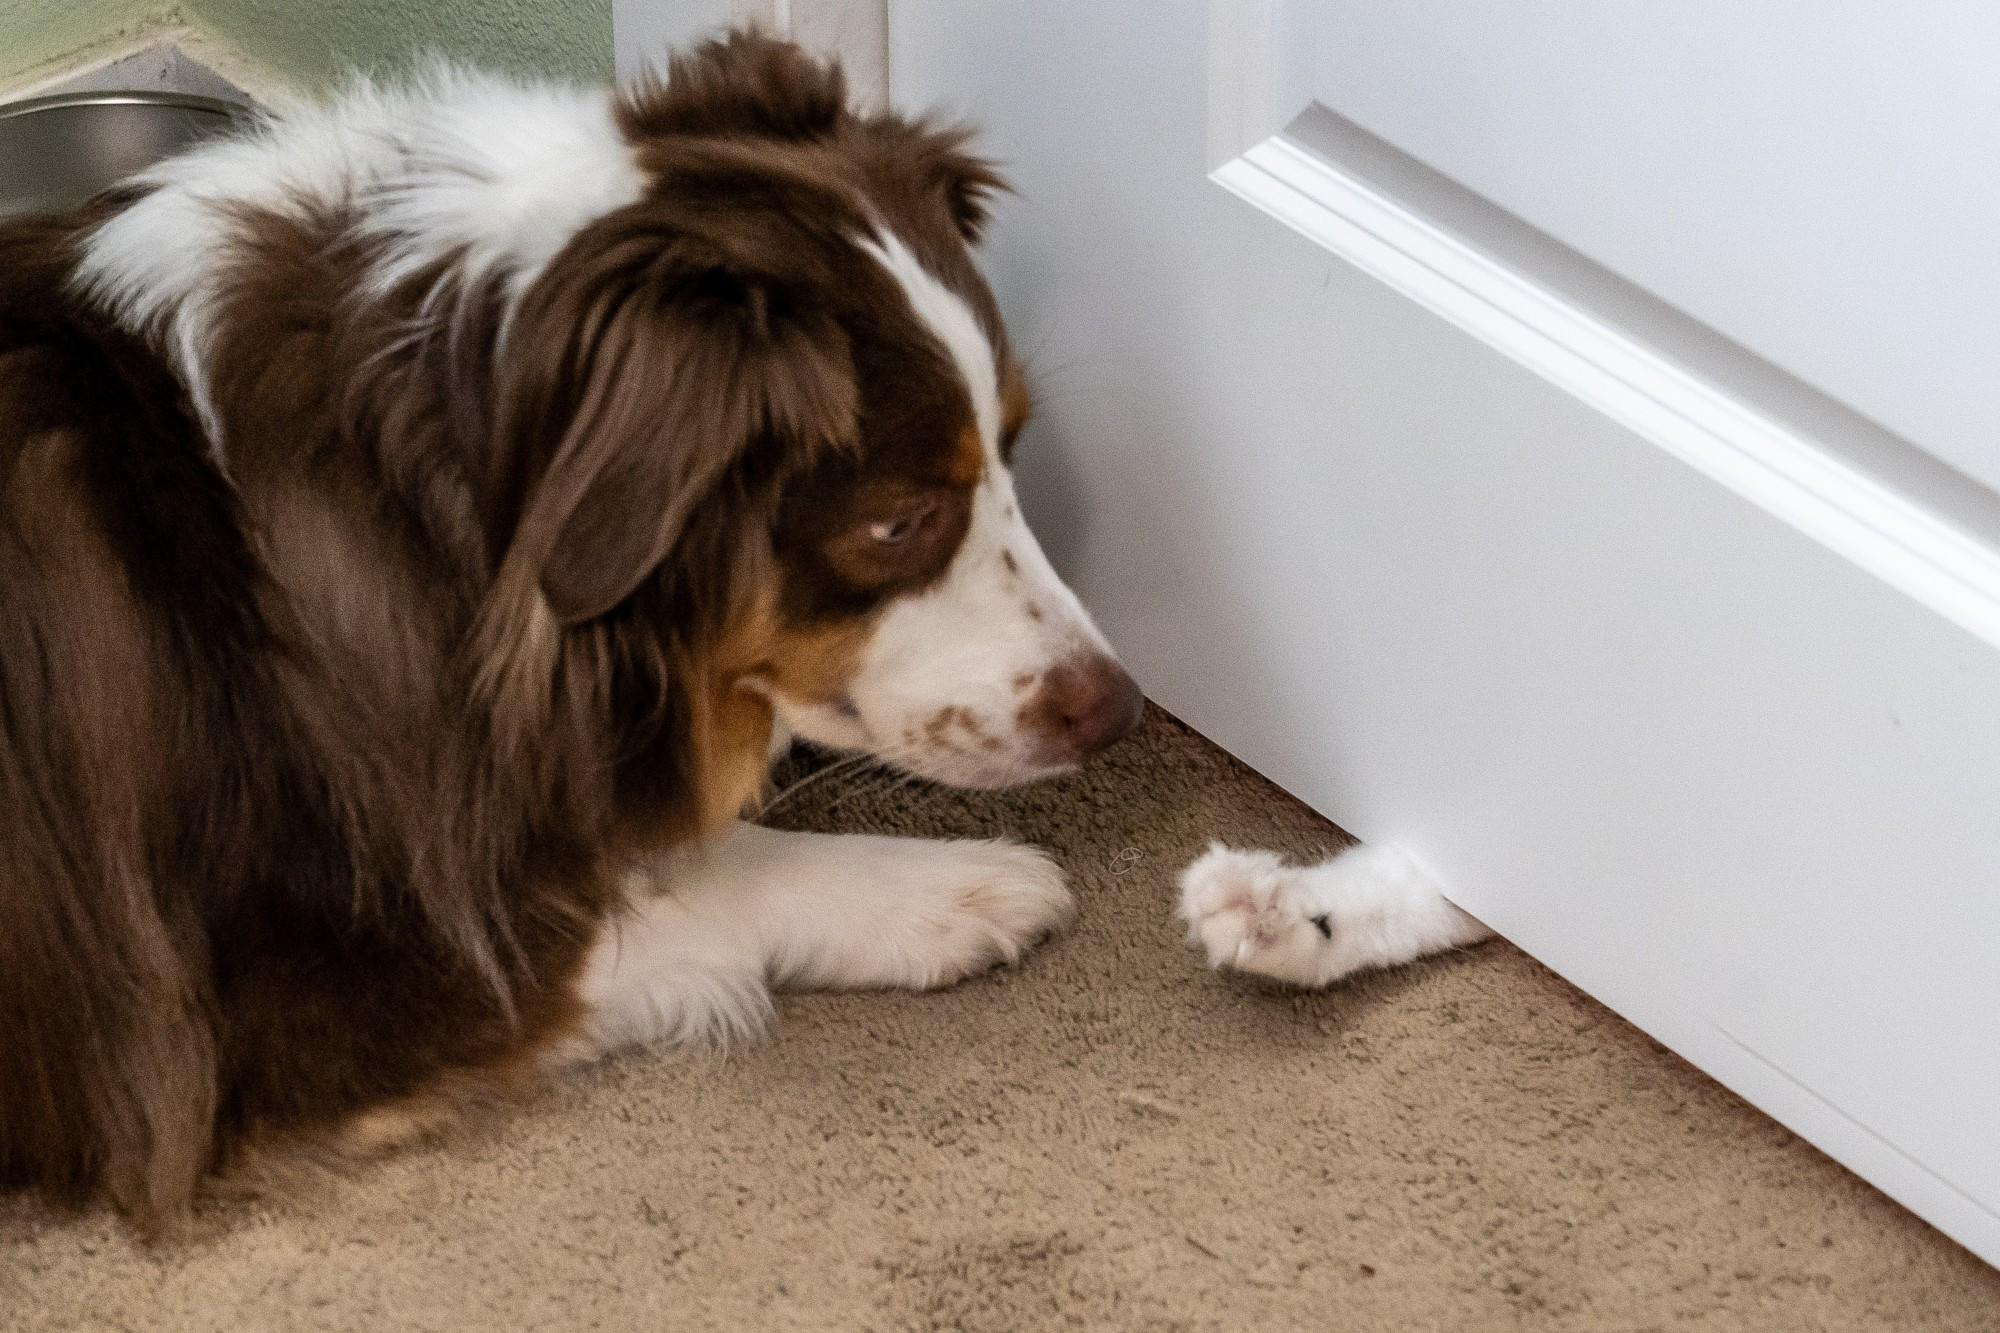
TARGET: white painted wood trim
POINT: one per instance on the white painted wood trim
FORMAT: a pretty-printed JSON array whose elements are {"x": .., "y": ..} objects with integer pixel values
[
  {"x": 856, "y": 32},
  {"x": 1253, "y": 90},
  {"x": 1779, "y": 465}
]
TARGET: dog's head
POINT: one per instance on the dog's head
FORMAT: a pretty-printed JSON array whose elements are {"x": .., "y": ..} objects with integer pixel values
[{"x": 767, "y": 413}]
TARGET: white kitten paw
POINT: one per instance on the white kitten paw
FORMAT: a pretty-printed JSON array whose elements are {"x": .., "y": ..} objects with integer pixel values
[
  {"x": 1244, "y": 911},
  {"x": 1311, "y": 925}
]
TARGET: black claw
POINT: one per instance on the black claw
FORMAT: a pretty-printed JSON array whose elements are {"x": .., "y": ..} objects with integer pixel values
[{"x": 1323, "y": 924}]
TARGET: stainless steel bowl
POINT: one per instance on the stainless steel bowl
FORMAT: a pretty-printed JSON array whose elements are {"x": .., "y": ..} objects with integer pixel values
[{"x": 56, "y": 152}]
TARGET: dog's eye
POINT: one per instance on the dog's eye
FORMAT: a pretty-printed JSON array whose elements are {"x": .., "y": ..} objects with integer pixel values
[{"x": 896, "y": 531}]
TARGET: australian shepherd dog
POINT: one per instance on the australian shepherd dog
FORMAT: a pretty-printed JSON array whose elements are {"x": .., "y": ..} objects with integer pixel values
[{"x": 423, "y": 516}]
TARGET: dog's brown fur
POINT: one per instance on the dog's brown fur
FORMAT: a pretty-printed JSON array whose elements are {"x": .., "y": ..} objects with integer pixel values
[{"x": 316, "y": 774}]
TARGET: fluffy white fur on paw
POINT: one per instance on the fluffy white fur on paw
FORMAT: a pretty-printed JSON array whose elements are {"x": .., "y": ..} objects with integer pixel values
[
  {"x": 1312, "y": 925},
  {"x": 710, "y": 927},
  {"x": 932, "y": 913}
]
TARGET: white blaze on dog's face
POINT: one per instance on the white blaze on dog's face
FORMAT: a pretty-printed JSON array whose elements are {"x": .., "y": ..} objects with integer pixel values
[{"x": 978, "y": 667}]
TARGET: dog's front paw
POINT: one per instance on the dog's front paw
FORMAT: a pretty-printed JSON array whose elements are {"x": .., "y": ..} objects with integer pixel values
[
  {"x": 921, "y": 914},
  {"x": 993, "y": 901},
  {"x": 1245, "y": 912}
]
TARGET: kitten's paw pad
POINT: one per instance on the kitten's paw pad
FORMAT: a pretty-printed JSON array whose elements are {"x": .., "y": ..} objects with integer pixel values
[
  {"x": 1312, "y": 925},
  {"x": 1244, "y": 910},
  {"x": 988, "y": 903}
]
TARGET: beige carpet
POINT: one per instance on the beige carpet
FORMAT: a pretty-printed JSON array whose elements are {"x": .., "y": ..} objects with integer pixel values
[{"x": 1106, "y": 1138}]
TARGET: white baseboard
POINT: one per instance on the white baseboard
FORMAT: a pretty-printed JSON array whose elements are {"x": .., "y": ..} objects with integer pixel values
[{"x": 1785, "y": 448}]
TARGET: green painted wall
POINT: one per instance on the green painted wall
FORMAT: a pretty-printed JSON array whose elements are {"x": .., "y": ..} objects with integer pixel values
[
  {"x": 37, "y": 33},
  {"x": 313, "y": 42}
]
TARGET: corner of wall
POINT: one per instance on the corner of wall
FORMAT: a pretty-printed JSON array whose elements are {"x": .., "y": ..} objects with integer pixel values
[
  {"x": 161, "y": 47},
  {"x": 38, "y": 60}
]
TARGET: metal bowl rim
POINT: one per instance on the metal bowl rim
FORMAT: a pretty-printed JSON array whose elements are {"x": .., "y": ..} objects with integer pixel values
[{"x": 172, "y": 101}]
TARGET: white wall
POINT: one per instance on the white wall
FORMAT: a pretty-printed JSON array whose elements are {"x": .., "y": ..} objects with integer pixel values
[{"x": 1704, "y": 767}]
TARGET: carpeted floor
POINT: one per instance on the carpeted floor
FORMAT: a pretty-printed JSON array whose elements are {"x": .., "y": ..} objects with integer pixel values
[{"x": 1106, "y": 1138}]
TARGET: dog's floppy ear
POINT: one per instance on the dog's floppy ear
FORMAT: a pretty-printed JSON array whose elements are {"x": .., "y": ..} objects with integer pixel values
[
  {"x": 642, "y": 380},
  {"x": 929, "y": 165}
]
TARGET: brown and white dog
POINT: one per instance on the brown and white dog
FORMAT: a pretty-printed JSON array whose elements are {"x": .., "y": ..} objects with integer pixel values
[{"x": 422, "y": 516}]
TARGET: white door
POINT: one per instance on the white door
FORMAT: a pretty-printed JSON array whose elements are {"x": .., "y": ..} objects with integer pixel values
[
  {"x": 1688, "y": 685},
  {"x": 1817, "y": 179},
  {"x": 1482, "y": 530}
]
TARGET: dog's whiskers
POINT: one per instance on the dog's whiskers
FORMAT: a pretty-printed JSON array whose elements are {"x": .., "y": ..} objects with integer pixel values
[{"x": 849, "y": 765}]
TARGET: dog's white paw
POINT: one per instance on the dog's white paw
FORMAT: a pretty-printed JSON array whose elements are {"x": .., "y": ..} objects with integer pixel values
[
  {"x": 1311, "y": 925},
  {"x": 711, "y": 926},
  {"x": 942, "y": 911},
  {"x": 999, "y": 899}
]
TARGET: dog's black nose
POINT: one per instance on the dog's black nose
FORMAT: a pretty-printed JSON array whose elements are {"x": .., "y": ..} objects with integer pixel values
[{"x": 1084, "y": 705}]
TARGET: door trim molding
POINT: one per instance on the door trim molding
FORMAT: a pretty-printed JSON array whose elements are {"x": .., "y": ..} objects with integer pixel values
[
  {"x": 1254, "y": 88},
  {"x": 1793, "y": 469},
  {"x": 856, "y": 32}
]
